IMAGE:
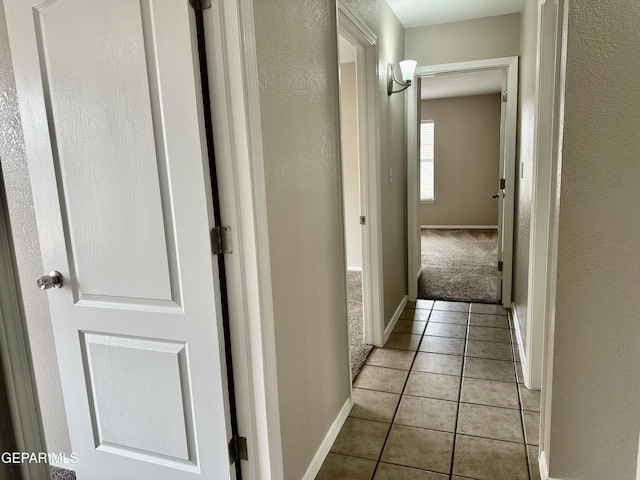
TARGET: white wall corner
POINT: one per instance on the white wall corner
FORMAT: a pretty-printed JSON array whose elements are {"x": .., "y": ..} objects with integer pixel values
[
  {"x": 394, "y": 319},
  {"x": 521, "y": 351},
  {"x": 327, "y": 443}
]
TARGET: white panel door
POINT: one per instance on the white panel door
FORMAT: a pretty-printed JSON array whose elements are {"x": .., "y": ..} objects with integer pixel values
[
  {"x": 111, "y": 111},
  {"x": 501, "y": 194}
]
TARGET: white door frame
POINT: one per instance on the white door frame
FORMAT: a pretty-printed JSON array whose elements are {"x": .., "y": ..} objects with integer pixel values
[
  {"x": 543, "y": 254},
  {"x": 414, "y": 241},
  {"x": 510, "y": 65},
  {"x": 232, "y": 62},
  {"x": 544, "y": 178},
  {"x": 233, "y": 77},
  {"x": 351, "y": 27}
]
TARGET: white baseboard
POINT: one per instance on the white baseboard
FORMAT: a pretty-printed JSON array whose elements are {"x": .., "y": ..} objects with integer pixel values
[
  {"x": 66, "y": 466},
  {"x": 459, "y": 227},
  {"x": 394, "y": 319},
  {"x": 516, "y": 325},
  {"x": 325, "y": 446},
  {"x": 419, "y": 273},
  {"x": 544, "y": 468},
  {"x": 354, "y": 269}
]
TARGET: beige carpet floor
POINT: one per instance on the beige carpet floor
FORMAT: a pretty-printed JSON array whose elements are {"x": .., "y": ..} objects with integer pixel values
[
  {"x": 359, "y": 351},
  {"x": 459, "y": 265},
  {"x": 62, "y": 474}
]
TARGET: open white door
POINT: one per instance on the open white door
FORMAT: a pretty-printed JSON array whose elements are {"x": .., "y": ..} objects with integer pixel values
[
  {"x": 112, "y": 122},
  {"x": 507, "y": 180},
  {"x": 500, "y": 194}
]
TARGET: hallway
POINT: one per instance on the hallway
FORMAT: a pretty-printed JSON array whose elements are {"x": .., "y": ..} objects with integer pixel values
[{"x": 444, "y": 399}]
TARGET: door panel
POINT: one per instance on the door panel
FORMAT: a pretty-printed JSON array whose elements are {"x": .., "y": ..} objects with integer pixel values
[
  {"x": 113, "y": 132},
  {"x": 156, "y": 376},
  {"x": 114, "y": 138}
]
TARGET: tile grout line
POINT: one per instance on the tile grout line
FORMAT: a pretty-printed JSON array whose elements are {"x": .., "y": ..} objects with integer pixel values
[
  {"x": 461, "y": 377},
  {"x": 515, "y": 371},
  {"x": 455, "y": 427},
  {"x": 415, "y": 354}
]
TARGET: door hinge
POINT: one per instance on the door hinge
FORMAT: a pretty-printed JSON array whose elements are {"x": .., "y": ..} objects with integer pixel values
[
  {"x": 363, "y": 220},
  {"x": 200, "y": 4},
  {"x": 504, "y": 96},
  {"x": 221, "y": 241},
  {"x": 503, "y": 183},
  {"x": 500, "y": 264},
  {"x": 238, "y": 449}
]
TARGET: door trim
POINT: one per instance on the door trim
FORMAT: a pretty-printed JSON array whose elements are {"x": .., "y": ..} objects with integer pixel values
[
  {"x": 544, "y": 177},
  {"x": 350, "y": 26},
  {"x": 510, "y": 65},
  {"x": 550, "y": 91},
  {"x": 16, "y": 357},
  {"x": 214, "y": 198},
  {"x": 233, "y": 78}
]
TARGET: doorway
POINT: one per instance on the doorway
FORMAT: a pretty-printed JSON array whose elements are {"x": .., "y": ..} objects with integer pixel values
[
  {"x": 351, "y": 196},
  {"x": 459, "y": 164},
  {"x": 500, "y": 72},
  {"x": 365, "y": 218}
]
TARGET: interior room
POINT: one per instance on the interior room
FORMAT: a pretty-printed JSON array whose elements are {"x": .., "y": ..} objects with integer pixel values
[{"x": 459, "y": 181}]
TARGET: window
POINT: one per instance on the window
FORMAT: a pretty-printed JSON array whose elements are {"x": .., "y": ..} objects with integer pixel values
[{"x": 426, "y": 162}]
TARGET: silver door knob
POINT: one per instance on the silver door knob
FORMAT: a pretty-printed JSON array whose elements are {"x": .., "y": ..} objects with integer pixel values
[
  {"x": 495, "y": 195},
  {"x": 54, "y": 279}
]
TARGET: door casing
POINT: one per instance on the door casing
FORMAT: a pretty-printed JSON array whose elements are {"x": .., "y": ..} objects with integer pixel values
[
  {"x": 351, "y": 27},
  {"x": 507, "y": 168}
]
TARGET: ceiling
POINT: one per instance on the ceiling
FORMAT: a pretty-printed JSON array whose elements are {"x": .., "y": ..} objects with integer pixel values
[
  {"x": 416, "y": 13},
  {"x": 461, "y": 84}
]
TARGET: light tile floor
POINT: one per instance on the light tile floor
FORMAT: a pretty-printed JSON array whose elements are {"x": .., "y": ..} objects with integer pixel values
[{"x": 443, "y": 400}]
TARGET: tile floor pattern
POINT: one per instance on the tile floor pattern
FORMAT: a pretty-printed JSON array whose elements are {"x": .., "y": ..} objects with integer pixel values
[{"x": 443, "y": 400}]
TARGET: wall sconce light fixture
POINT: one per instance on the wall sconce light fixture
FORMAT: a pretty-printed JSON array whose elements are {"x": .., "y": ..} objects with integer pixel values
[{"x": 407, "y": 67}]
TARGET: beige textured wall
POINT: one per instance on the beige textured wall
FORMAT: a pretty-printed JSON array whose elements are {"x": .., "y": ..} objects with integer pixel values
[
  {"x": 489, "y": 37},
  {"x": 28, "y": 259},
  {"x": 350, "y": 167},
  {"x": 467, "y": 160},
  {"x": 596, "y": 385},
  {"x": 379, "y": 17},
  {"x": 302, "y": 169},
  {"x": 526, "y": 130}
]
